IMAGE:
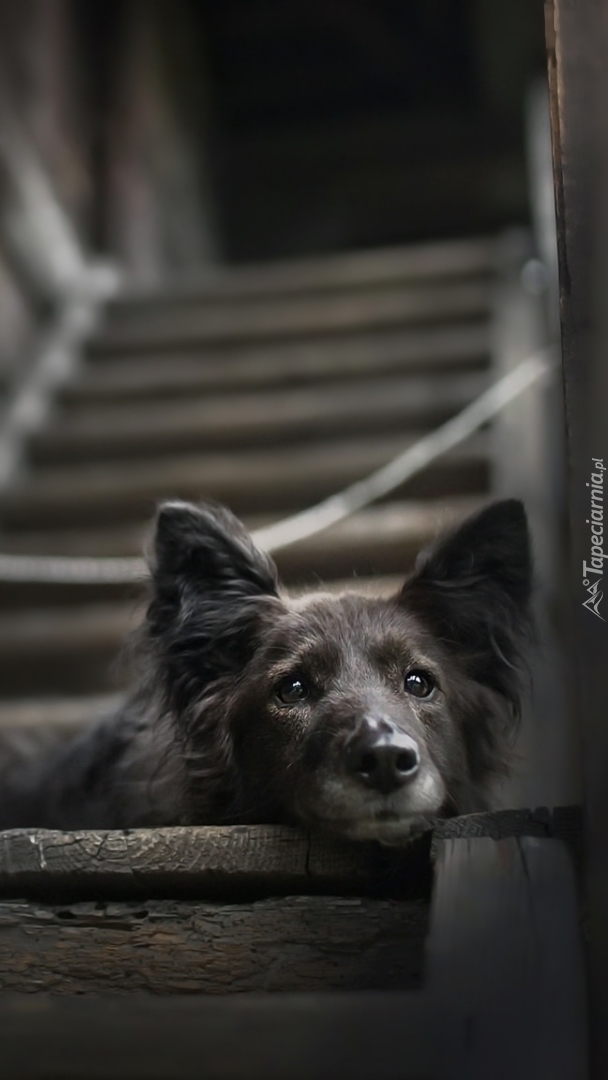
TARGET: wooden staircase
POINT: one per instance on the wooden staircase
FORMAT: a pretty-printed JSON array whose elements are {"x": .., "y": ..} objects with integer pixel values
[
  {"x": 266, "y": 388},
  {"x": 269, "y": 389}
]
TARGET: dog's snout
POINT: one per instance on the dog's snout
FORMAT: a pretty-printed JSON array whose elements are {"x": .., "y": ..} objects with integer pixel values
[{"x": 384, "y": 762}]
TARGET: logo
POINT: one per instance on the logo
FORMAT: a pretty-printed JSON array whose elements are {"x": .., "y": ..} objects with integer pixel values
[{"x": 593, "y": 571}]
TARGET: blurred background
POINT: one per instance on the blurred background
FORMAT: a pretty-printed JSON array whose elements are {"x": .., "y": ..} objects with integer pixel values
[
  {"x": 202, "y": 131},
  {"x": 252, "y": 250}
]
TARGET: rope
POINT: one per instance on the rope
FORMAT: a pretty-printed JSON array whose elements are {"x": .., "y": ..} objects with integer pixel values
[
  {"x": 411, "y": 461},
  {"x": 90, "y": 570}
]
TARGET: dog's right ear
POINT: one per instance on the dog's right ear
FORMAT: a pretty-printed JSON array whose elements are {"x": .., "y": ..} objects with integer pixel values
[
  {"x": 210, "y": 585},
  {"x": 207, "y": 549},
  {"x": 473, "y": 589}
]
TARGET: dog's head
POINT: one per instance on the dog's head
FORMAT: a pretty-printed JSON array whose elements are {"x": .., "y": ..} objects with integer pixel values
[{"x": 364, "y": 716}]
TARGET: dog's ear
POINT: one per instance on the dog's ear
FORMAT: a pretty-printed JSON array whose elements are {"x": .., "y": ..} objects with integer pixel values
[
  {"x": 209, "y": 585},
  {"x": 473, "y": 588},
  {"x": 209, "y": 548}
]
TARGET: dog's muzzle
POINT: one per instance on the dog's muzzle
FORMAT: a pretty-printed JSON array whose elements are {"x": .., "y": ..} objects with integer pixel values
[{"x": 382, "y": 757}]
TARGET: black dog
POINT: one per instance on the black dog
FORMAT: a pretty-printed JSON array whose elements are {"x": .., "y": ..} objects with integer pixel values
[{"x": 359, "y": 715}]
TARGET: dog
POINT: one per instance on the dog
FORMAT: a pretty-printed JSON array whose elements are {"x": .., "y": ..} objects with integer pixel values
[{"x": 365, "y": 717}]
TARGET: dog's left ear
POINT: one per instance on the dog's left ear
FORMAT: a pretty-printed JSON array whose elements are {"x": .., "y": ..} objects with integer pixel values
[
  {"x": 210, "y": 586},
  {"x": 473, "y": 590}
]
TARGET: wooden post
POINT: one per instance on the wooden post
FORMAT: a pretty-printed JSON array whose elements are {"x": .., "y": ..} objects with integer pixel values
[{"x": 577, "y": 42}]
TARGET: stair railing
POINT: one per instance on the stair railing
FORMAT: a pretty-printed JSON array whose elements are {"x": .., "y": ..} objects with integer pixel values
[{"x": 42, "y": 246}]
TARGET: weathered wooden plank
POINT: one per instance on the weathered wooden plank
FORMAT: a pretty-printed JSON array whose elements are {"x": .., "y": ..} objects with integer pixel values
[
  {"x": 95, "y": 433},
  {"x": 564, "y": 823},
  {"x": 203, "y": 861},
  {"x": 281, "y": 318},
  {"x": 414, "y": 263},
  {"x": 267, "y": 859},
  {"x": 296, "y": 943},
  {"x": 505, "y": 951},
  {"x": 339, "y": 356},
  {"x": 467, "y": 1006}
]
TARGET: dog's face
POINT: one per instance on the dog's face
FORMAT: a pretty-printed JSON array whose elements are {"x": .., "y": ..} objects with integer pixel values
[
  {"x": 364, "y": 716},
  {"x": 345, "y": 711}
]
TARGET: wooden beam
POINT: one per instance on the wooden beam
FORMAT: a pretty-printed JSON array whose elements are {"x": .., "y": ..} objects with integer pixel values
[
  {"x": 503, "y": 997},
  {"x": 577, "y": 46},
  {"x": 291, "y": 944},
  {"x": 246, "y": 860},
  {"x": 505, "y": 953},
  {"x": 232, "y": 862}
]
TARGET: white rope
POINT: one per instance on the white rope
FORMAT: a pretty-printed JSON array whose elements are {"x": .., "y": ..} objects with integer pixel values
[
  {"x": 42, "y": 237},
  {"x": 90, "y": 570},
  {"x": 65, "y": 570},
  {"x": 411, "y": 461}
]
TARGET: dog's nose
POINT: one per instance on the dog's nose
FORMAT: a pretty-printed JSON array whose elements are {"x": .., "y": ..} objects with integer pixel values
[{"x": 384, "y": 762}]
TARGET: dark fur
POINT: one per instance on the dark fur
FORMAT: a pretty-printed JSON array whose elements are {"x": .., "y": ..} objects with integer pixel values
[{"x": 204, "y": 739}]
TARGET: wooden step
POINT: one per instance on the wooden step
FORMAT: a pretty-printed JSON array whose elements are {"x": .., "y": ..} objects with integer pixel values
[
  {"x": 72, "y": 648},
  {"x": 75, "y": 650},
  {"x": 68, "y": 650},
  {"x": 100, "y": 629},
  {"x": 415, "y": 263},
  {"x": 492, "y": 977},
  {"x": 241, "y": 420},
  {"x": 125, "y": 539},
  {"x": 78, "y": 629},
  {"x": 344, "y": 356},
  {"x": 129, "y": 538},
  {"x": 59, "y": 714},
  {"x": 30, "y": 726},
  {"x": 254, "y": 482},
  {"x": 380, "y": 540},
  {"x": 272, "y": 320},
  {"x": 284, "y": 944}
]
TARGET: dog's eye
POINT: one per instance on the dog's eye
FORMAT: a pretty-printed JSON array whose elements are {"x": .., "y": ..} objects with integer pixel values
[
  {"x": 419, "y": 683},
  {"x": 291, "y": 690}
]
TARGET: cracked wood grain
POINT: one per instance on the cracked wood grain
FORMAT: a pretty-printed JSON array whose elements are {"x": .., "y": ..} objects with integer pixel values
[
  {"x": 502, "y": 994},
  {"x": 181, "y": 947},
  {"x": 244, "y": 861},
  {"x": 231, "y": 862}
]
